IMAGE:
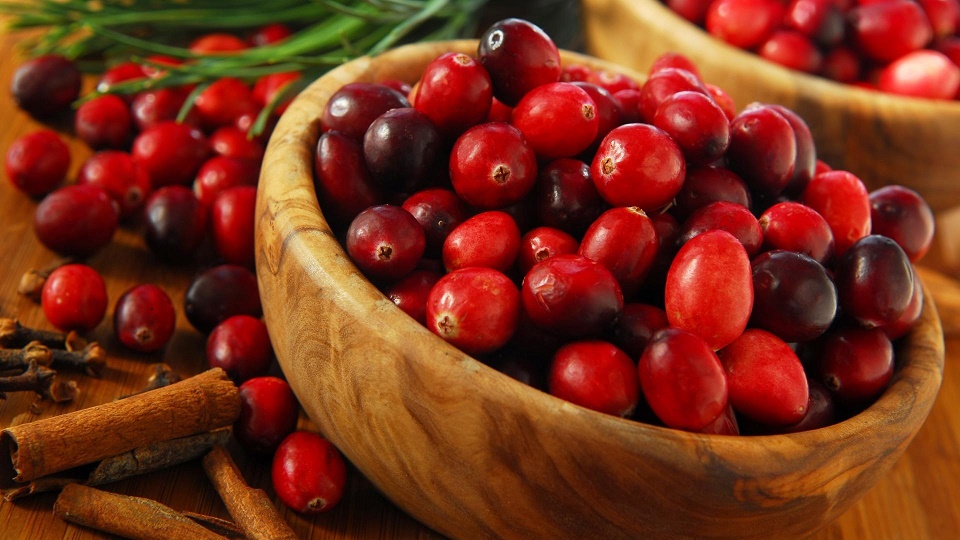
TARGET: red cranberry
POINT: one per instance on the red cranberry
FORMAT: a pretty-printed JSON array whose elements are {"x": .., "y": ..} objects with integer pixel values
[
  {"x": 819, "y": 20},
  {"x": 492, "y": 166},
  {"x": 343, "y": 183},
  {"x": 76, "y": 220},
  {"x": 232, "y": 222},
  {"x": 355, "y": 106},
  {"x": 401, "y": 149},
  {"x": 542, "y": 243},
  {"x": 696, "y": 123},
  {"x": 230, "y": 141},
  {"x": 820, "y": 410},
  {"x": 905, "y": 322},
  {"x": 223, "y": 101},
  {"x": 438, "y": 211},
  {"x": 519, "y": 57},
  {"x": 489, "y": 239},
  {"x": 475, "y": 309},
  {"x": 843, "y": 201},
  {"x": 794, "y": 296},
  {"x": 144, "y": 318},
  {"x": 557, "y": 120},
  {"x": 743, "y": 23},
  {"x": 792, "y": 50},
  {"x": 638, "y": 165},
  {"x": 120, "y": 176},
  {"x": 900, "y": 213},
  {"x": 217, "y": 43},
  {"x": 455, "y": 93},
  {"x": 611, "y": 81},
  {"x": 725, "y": 216},
  {"x": 635, "y": 327},
  {"x": 176, "y": 223},
  {"x": 629, "y": 101},
  {"x": 694, "y": 11},
  {"x": 575, "y": 72},
  {"x": 622, "y": 239},
  {"x": 45, "y": 85},
  {"x": 220, "y": 173},
  {"x": 240, "y": 346},
  {"x": 596, "y": 375},
  {"x": 36, "y": 163},
  {"x": 410, "y": 293},
  {"x": 805, "y": 166},
  {"x": 888, "y": 30},
  {"x": 661, "y": 85},
  {"x": 499, "y": 112},
  {"x": 674, "y": 60},
  {"x": 268, "y": 413},
  {"x": 171, "y": 153},
  {"x": 219, "y": 293},
  {"x": 122, "y": 72},
  {"x": 385, "y": 242},
  {"x": 874, "y": 281},
  {"x": 923, "y": 74},
  {"x": 269, "y": 34},
  {"x": 153, "y": 107},
  {"x": 308, "y": 473},
  {"x": 74, "y": 297},
  {"x": 723, "y": 99},
  {"x": 763, "y": 149},
  {"x": 841, "y": 64},
  {"x": 565, "y": 197},
  {"x": 944, "y": 16},
  {"x": 704, "y": 185},
  {"x": 609, "y": 114},
  {"x": 856, "y": 364},
  {"x": 795, "y": 227},
  {"x": 104, "y": 122},
  {"x": 267, "y": 88}
]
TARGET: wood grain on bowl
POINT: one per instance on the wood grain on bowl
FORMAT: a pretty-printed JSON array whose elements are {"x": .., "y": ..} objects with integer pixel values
[{"x": 473, "y": 453}]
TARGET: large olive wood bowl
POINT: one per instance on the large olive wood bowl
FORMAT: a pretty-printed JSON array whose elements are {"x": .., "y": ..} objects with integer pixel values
[
  {"x": 882, "y": 138},
  {"x": 473, "y": 453}
]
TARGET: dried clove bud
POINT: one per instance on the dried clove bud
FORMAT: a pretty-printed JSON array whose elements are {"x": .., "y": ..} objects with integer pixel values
[
  {"x": 39, "y": 379},
  {"x": 163, "y": 375},
  {"x": 91, "y": 358},
  {"x": 14, "y": 334}
]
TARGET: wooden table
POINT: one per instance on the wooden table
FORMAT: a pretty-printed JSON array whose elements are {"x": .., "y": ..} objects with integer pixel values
[{"x": 918, "y": 499}]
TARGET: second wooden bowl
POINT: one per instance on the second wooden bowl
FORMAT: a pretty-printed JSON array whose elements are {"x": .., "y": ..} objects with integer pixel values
[{"x": 472, "y": 453}]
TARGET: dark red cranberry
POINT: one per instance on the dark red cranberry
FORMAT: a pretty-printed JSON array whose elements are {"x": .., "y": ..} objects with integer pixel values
[
  {"x": 171, "y": 153},
  {"x": 220, "y": 173},
  {"x": 45, "y": 85},
  {"x": 542, "y": 243},
  {"x": 492, "y": 166},
  {"x": 725, "y": 216},
  {"x": 629, "y": 101},
  {"x": 905, "y": 322},
  {"x": 609, "y": 113},
  {"x": 638, "y": 165},
  {"x": 901, "y": 214},
  {"x": 763, "y": 149},
  {"x": 696, "y": 123},
  {"x": 455, "y": 93},
  {"x": 231, "y": 224},
  {"x": 874, "y": 281},
  {"x": 401, "y": 149},
  {"x": 308, "y": 473},
  {"x": 663, "y": 84},
  {"x": 805, "y": 166},
  {"x": 489, "y": 239},
  {"x": 519, "y": 57},
  {"x": 557, "y": 120},
  {"x": 438, "y": 211},
  {"x": 152, "y": 107},
  {"x": 596, "y": 375},
  {"x": 410, "y": 293},
  {"x": 843, "y": 201},
  {"x": 344, "y": 185},
  {"x": 221, "y": 292},
  {"x": 743, "y": 23},
  {"x": 76, "y": 220},
  {"x": 704, "y": 185},
  {"x": 144, "y": 318},
  {"x": 269, "y": 34},
  {"x": 240, "y": 345},
  {"x": 856, "y": 364},
  {"x": 74, "y": 297},
  {"x": 820, "y": 20},
  {"x": 223, "y": 101},
  {"x": 794, "y": 296},
  {"x": 355, "y": 106},
  {"x": 36, "y": 163},
  {"x": 635, "y": 327},
  {"x": 723, "y": 99},
  {"x": 841, "y": 64},
  {"x": 885, "y": 31},
  {"x": 229, "y": 141},
  {"x": 104, "y": 122},
  {"x": 475, "y": 309},
  {"x": 565, "y": 197},
  {"x": 120, "y": 176},
  {"x": 176, "y": 223},
  {"x": 268, "y": 413},
  {"x": 385, "y": 242},
  {"x": 820, "y": 410},
  {"x": 794, "y": 227},
  {"x": 624, "y": 240}
]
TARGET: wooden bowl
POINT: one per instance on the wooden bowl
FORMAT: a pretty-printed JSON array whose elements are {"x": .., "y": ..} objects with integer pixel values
[
  {"x": 473, "y": 453},
  {"x": 882, "y": 138}
]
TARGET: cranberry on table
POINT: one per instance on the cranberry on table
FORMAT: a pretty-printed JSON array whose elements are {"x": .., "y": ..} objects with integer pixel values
[
  {"x": 401, "y": 149},
  {"x": 240, "y": 345},
  {"x": 475, "y": 309},
  {"x": 220, "y": 173},
  {"x": 344, "y": 185},
  {"x": 795, "y": 227},
  {"x": 842, "y": 199},
  {"x": 794, "y": 297},
  {"x": 638, "y": 165},
  {"x": 489, "y": 239},
  {"x": 175, "y": 223},
  {"x": 856, "y": 364},
  {"x": 439, "y": 211},
  {"x": 874, "y": 281},
  {"x": 385, "y": 242},
  {"x": 45, "y": 85},
  {"x": 519, "y": 57},
  {"x": 120, "y": 176},
  {"x": 171, "y": 153},
  {"x": 492, "y": 166},
  {"x": 565, "y": 197},
  {"x": 219, "y": 293},
  {"x": 542, "y": 243},
  {"x": 355, "y": 106},
  {"x": 557, "y": 120},
  {"x": 455, "y": 93},
  {"x": 308, "y": 473},
  {"x": 36, "y": 163},
  {"x": 900, "y": 213},
  {"x": 232, "y": 223},
  {"x": 596, "y": 375},
  {"x": 696, "y": 123},
  {"x": 268, "y": 413},
  {"x": 104, "y": 122},
  {"x": 74, "y": 297},
  {"x": 76, "y": 220},
  {"x": 410, "y": 293},
  {"x": 624, "y": 240},
  {"x": 144, "y": 318}
]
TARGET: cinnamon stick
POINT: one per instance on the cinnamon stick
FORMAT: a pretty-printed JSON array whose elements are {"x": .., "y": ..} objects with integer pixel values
[
  {"x": 201, "y": 403},
  {"x": 251, "y": 508},
  {"x": 220, "y": 526},
  {"x": 127, "y": 516}
]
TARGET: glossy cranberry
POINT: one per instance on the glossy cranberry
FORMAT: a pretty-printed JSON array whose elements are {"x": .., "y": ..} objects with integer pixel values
[
  {"x": 596, "y": 375},
  {"x": 805, "y": 165},
  {"x": 223, "y": 101},
  {"x": 794, "y": 227},
  {"x": 401, "y": 149},
  {"x": 269, "y": 34},
  {"x": 611, "y": 80},
  {"x": 542, "y": 243},
  {"x": 565, "y": 197},
  {"x": 724, "y": 216},
  {"x": 475, "y": 309},
  {"x": 944, "y": 16},
  {"x": 410, "y": 293},
  {"x": 661, "y": 85},
  {"x": 120, "y": 176},
  {"x": 144, "y": 318},
  {"x": 217, "y": 43},
  {"x": 819, "y": 20},
  {"x": 908, "y": 319},
  {"x": 353, "y": 107},
  {"x": 571, "y": 295},
  {"x": 856, "y": 364},
  {"x": 489, "y": 239},
  {"x": 705, "y": 185},
  {"x": 229, "y": 141},
  {"x": 153, "y": 107},
  {"x": 923, "y": 74},
  {"x": 743, "y": 23},
  {"x": 843, "y": 201},
  {"x": 231, "y": 223},
  {"x": 385, "y": 242},
  {"x": 900, "y": 213},
  {"x": 171, "y": 153},
  {"x": 638, "y": 323},
  {"x": 674, "y": 60},
  {"x": 609, "y": 114},
  {"x": 622, "y": 239},
  {"x": 45, "y": 85},
  {"x": 269, "y": 87},
  {"x": 794, "y": 296},
  {"x": 638, "y": 165},
  {"x": 765, "y": 380},
  {"x": 886, "y": 31},
  {"x": 220, "y": 173},
  {"x": 343, "y": 183},
  {"x": 682, "y": 379},
  {"x": 792, "y": 50},
  {"x": 492, "y": 166},
  {"x": 820, "y": 410},
  {"x": 36, "y": 163},
  {"x": 74, "y": 297},
  {"x": 76, "y": 220},
  {"x": 119, "y": 73},
  {"x": 455, "y": 93},
  {"x": 176, "y": 223},
  {"x": 629, "y": 101},
  {"x": 763, "y": 149},
  {"x": 575, "y": 72},
  {"x": 499, "y": 112},
  {"x": 519, "y": 57},
  {"x": 104, "y": 122},
  {"x": 438, "y": 211},
  {"x": 696, "y": 123},
  {"x": 219, "y": 293},
  {"x": 709, "y": 289},
  {"x": 722, "y": 99},
  {"x": 268, "y": 413},
  {"x": 240, "y": 345},
  {"x": 308, "y": 473},
  {"x": 694, "y": 11},
  {"x": 841, "y": 64},
  {"x": 557, "y": 120},
  {"x": 874, "y": 281}
]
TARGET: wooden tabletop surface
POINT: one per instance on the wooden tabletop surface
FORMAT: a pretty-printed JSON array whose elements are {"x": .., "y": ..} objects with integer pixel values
[{"x": 918, "y": 499}]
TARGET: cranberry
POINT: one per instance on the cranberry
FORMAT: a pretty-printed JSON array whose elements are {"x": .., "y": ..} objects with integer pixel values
[
  {"x": 308, "y": 473},
  {"x": 944, "y": 16},
  {"x": 743, "y": 23},
  {"x": 874, "y": 281},
  {"x": 888, "y": 30},
  {"x": 696, "y": 123},
  {"x": 104, "y": 122},
  {"x": 841, "y": 64},
  {"x": 475, "y": 309},
  {"x": 240, "y": 346},
  {"x": 269, "y": 34},
  {"x": 343, "y": 183},
  {"x": 571, "y": 295},
  {"x": 557, "y": 120},
  {"x": 120, "y": 176},
  {"x": 36, "y": 163},
  {"x": 153, "y": 107},
  {"x": 682, "y": 379},
  {"x": 622, "y": 239},
  {"x": 609, "y": 114},
  {"x": 820, "y": 410},
  {"x": 596, "y": 375},
  {"x": 268, "y": 88},
  {"x": 45, "y": 85},
  {"x": 694, "y": 11},
  {"x": 725, "y": 424},
  {"x": 176, "y": 223},
  {"x": 724, "y": 216},
  {"x": 629, "y": 101},
  {"x": 217, "y": 43},
  {"x": 611, "y": 81},
  {"x": 455, "y": 93},
  {"x": 74, "y": 297},
  {"x": 819, "y": 20},
  {"x": 704, "y": 185},
  {"x": 901, "y": 214},
  {"x": 232, "y": 222},
  {"x": 792, "y": 50},
  {"x": 355, "y": 106},
  {"x": 268, "y": 413},
  {"x": 230, "y": 141},
  {"x": 635, "y": 327},
  {"x": 905, "y": 322},
  {"x": 542, "y": 243},
  {"x": 565, "y": 196},
  {"x": 794, "y": 227},
  {"x": 805, "y": 165},
  {"x": 924, "y": 74},
  {"x": 76, "y": 220},
  {"x": 723, "y": 99},
  {"x": 171, "y": 153},
  {"x": 385, "y": 242},
  {"x": 843, "y": 201},
  {"x": 499, "y": 112},
  {"x": 709, "y": 289},
  {"x": 489, "y": 239},
  {"x": 794, "y": 296},
  {"x": 674, "y": 60},
  {"x": 219, "y": 293},
  {"x": 763, "y": 149},
  {"x": 410, "y": 293},
  {"x": 575, "y": 72},
  {"x": 638, "y": 165},
  {"x": 119, "y": 73},
  {"x": 519, "y": 57},
  {"x": 220, "y": 173},
  {"x": 401, "y": 149},
  {"x": 438, "y": 211},
  {"x": 492, "y": 166},
  {"x": 856, "y": 364},
  {"x": 223, "y": 101},
  {"x": 661, "y": 85},
  {"x": 144, "y": 318}
]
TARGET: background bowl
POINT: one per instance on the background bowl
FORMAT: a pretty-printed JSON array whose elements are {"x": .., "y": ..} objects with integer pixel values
[
  {"x": 882, "y": 138},
  {"x": 473, "y": 453}
]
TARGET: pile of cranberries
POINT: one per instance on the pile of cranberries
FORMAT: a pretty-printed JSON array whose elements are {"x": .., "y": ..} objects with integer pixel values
[
  {"x": 907, "y": 47},
  {"x": 642, "y": 250},
  {"x": 184, "y": 186}
]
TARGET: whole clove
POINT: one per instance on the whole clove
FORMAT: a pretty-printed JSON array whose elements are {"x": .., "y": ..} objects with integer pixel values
[{"x": 13, "y": 334}]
